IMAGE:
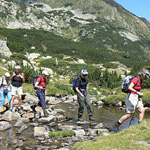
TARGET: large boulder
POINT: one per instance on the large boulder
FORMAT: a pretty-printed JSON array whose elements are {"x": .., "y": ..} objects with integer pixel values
[
  {"x": 4, "y": 125},
  {"x": 11, "y": 116},
  {"x": 50, "y": 71},
  {"x": 79, "y": 132},
  {"x": 2, "y": 108},
  {"x": 26, "y": 107},
  {"x": 39, "y": 131},
  {"x": 31, "y": 99},
  {"x": 47, "y": 119},
  {"x": 4, "y": 48}
]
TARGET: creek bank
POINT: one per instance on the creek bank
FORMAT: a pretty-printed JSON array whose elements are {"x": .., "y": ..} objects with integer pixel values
[{"x": 26, "y": 125}]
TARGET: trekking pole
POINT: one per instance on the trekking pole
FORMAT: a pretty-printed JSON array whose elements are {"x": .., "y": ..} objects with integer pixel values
[{"x": 133, "y": 113}]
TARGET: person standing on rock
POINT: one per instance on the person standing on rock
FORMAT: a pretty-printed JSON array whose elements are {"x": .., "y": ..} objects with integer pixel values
[
  {"x": 41, "y": 90},
  {"x": 134, "y": 98},
  {"x": 82, "y": 95},
  {"x": 17, "y": 79},
  {"x": 5, "y": 89}
]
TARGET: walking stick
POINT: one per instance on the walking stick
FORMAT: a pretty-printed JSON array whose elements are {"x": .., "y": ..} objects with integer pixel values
[{"x": 134, "y": 112}]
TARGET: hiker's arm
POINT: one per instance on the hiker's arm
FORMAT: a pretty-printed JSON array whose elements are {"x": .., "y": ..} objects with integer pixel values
[
  {"x": 87, "y": 88},
  {"x": 23, "y": 78},
  {"x": 12, "y": 76},
  {"x": 77, "y": 89},
  {"x": 37, "y": 85},
  {"x": 133, "y": 90}
]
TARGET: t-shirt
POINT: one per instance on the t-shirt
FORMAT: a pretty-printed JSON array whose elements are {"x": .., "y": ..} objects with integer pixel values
[
  {"x": 138, "y": 86},
  {"x": 82, "y": 83},
  {"x": 43, "y": 83}
]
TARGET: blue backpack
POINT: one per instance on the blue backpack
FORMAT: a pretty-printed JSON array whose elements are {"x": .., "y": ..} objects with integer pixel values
[
  {"x": 74, "y": 84},
  {"x": 34, "y": 80},
  {"x": 126, "y": 82}
]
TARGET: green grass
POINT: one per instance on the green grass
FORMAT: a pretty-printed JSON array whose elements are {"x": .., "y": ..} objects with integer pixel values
[
  {"x": 61, "y": 134},
  {"x": 124, "y": 140},
  {"x": 2, "y": 72}
]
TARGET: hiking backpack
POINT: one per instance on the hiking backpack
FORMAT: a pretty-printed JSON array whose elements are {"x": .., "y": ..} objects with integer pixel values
[
  {"x": 74, "y": 84},
  {"x": 126, "y": 82},
  {"x": 34, "y": 80}
]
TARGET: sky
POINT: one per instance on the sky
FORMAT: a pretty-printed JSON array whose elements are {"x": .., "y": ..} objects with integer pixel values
[{"x": 140, "y": 8}]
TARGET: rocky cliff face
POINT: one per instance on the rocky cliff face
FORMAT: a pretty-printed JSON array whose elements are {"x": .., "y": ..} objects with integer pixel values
[
  {"x": 67, "y": 17},
  {"x": 4, "y": 50}
]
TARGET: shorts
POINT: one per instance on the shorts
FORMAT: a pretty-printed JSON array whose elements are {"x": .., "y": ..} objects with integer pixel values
[
  {"x": 132, "y": 102},
  {"x": 17, "y": 90}
]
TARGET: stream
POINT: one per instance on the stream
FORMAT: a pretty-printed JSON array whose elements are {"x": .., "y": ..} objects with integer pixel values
[{"x": 106, "y": 115}]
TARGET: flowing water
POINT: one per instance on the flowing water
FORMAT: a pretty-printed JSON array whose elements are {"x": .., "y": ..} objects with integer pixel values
[{"x": 106, "y": 115}]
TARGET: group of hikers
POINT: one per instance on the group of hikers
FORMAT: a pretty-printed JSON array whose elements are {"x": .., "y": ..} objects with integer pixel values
[{"x": 12, "y": 85}]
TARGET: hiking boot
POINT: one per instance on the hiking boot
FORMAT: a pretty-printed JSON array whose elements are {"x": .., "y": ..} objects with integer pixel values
[
  {"x": 45, "y": 113},
  {"x": 91, "y": 119},
  {"x": 80, "y": 119},
  {"x": 117, "y": 124}
]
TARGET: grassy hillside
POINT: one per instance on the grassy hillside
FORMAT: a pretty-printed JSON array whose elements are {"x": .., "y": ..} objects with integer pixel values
[{"x": 46, "y": 43}]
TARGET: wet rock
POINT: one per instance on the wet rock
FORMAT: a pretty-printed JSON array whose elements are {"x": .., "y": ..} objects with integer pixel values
[
  {"x": 100, "y": 125},
  {"x": 34, "y": 124},
  {"x": 119, "y": 104},
  {"x": 24, "y": 127},
  {"x": 54, "y": 102},
  {"x": 4, "y": 125},
  {"x": 26, "y": 107},
  {"x": 19, "y": 123},
  {"x": 66, "y": 127},
  {"x": 104, "y": 134},
  {"x": 11, "y": 116},
  {"x": 28, "y": 115},
  {"x": 142, "y": 142},
  {"x": 60, "y": 111},
  {"x": 25, "y": 120},
  {"x": 82, "y": 122},
  {"x": 102, "y": 130},
  {"x": 79, "y": 132},
  {"x": 2, "y": 108},
  {"x": 63, "y": 149},
  {"x": 92, "y": 132},
  {"x": 47, "y": 119},
  {"x": 100, "y": 103},
  {"x": 39, "y": 131},
  {"x": 30, "y": 99}
]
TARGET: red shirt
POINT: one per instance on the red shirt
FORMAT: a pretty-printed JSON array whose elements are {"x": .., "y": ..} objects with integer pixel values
[
  {"x": 138, "y": 86},
  {"x": 43, "y": 83}
]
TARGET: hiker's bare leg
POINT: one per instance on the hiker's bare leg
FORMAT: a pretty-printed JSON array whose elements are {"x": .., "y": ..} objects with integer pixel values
[
  {"x": 20, "y": 100},
  {"x": 12, "y": 101},
  {"x": 125, "y": 117},
  {"x": 142, "y": 112}
]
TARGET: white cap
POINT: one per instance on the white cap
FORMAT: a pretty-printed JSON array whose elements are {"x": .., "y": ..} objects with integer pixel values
[
  {"x": 7, "y": 74},
  {"x": 45, "y": 72},
  {"x": 84, "y": 71},
  {"x": 17, "y": 67}
]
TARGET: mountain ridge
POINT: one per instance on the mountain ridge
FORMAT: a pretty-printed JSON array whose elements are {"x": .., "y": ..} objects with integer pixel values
[{"x": 103, "y": 25}]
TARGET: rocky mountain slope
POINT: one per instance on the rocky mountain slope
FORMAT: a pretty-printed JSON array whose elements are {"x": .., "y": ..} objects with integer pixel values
[{"x": 101, "y": 24}]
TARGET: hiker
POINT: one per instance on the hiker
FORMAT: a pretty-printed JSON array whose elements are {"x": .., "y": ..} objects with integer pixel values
[
  {"x": 5, "y": 89},
  {"x": 134, "y": 98},
  {"x": 17, "y": 79},
  {"x": 82, "y": 95},
  {"x": 41, "y": 90}
]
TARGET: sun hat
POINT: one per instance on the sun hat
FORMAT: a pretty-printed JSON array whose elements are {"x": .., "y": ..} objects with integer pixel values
[
  {"x": 84, "y": 72},
  {"x": 146, "y": 72},
  {"x": 7, "y": 74},
  {"x": 45, "y": 72},
  {"x": 17, "y": 67}
]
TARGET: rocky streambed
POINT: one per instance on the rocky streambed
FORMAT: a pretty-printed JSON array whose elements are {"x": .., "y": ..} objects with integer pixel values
[{"x": 26, "y": 130}]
